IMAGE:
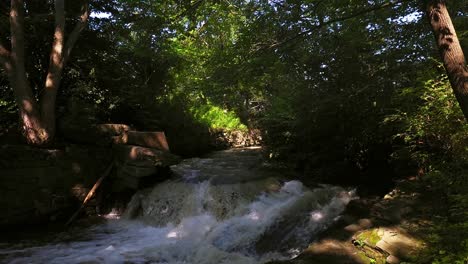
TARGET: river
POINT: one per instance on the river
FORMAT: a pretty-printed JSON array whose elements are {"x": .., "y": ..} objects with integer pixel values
[{"x": 223, "y": 208}]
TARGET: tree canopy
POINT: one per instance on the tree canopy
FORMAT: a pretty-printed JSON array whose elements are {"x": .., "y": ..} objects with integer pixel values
[{"x": 341, "y": 90}]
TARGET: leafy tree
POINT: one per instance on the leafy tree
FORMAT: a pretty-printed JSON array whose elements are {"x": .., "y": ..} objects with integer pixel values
[{"x": 38, "y": 121}]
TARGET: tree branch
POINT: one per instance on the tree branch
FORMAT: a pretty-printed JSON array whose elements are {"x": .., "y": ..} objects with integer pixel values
[
  {"x": 339, "y": 19},
  {"x": 56, "y": 54},
  {"x": 80, "y": 25},
  {"x": 17, "y": 33}
]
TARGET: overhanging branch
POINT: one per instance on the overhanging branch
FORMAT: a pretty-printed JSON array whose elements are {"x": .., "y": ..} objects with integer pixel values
[
  {"x": 80, "y": 25},
  {"x": 332, "y": 21}
]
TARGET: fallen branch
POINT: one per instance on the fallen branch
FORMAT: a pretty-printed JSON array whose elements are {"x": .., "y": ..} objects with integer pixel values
[{"x": 91, "y": 193}]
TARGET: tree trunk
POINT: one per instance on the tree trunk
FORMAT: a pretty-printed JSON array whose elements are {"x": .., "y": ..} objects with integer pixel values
[
  {"x": 54, "y": 75},
  {"x": 30, "y": 119},
  {"x": 450, "y": 50},
  {"x": 38, "y": 121}
]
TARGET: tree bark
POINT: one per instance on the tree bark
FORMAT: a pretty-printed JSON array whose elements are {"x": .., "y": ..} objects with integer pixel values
[
  {"x": 31, "y": 124},
  {"x": 54, "y": 73},
  {"x": 450, "y": 50}
]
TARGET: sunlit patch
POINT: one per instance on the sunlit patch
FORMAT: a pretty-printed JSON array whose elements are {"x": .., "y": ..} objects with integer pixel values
[
  {"x": 172, "y": 234},
  {"x": 133, "y": 153},
  {"x": 49, "y": 82},
  {"x": 316, "y": 216}
]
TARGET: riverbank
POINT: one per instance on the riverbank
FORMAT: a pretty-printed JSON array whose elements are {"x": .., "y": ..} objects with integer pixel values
[{"x": 404, "y": 226}]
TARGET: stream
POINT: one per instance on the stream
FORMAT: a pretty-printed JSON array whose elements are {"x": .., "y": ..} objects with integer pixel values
[{"x": 223, "y": 208}]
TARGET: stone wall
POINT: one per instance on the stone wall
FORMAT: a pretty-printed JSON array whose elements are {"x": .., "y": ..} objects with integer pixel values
[{"x": 37, "y": 184}]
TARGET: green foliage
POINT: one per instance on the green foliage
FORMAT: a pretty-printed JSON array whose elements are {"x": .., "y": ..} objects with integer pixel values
[
  {"x": 432, "y": 124},
  {"x": 8, "y": 115},
  {"x": 432, "y": 134},
  {"x": 217, "y": 118},
  {"x": 449, "y": 243}
]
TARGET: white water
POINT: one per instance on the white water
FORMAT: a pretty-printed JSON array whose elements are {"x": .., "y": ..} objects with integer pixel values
[{"x": 194, "y": 220}]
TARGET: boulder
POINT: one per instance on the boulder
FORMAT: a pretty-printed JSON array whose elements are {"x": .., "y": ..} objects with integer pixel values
[
  {"x": 156, "y": 140},
  {"x": 144, "y": 157}
]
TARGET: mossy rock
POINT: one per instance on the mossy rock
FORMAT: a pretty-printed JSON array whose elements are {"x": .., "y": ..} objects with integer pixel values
[
  {"x": 369, "y": 237},
  {"x": 371, "y": 258}
]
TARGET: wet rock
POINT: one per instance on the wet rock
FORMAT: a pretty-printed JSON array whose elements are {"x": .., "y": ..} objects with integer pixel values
[{"x": 143, "y": 157}]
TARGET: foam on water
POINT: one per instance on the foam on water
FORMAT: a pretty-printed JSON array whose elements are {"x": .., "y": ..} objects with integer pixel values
[{"x": 272, "y": 224}]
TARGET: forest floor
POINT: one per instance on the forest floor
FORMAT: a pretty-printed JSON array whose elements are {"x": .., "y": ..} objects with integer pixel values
[{"x": 374, "y": 230}]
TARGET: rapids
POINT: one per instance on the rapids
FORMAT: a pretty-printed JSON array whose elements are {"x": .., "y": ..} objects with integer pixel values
[{"x": 220, "y": 209}]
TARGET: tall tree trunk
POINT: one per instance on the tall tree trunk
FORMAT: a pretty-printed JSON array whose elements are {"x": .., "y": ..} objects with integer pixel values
[
  {"x": 29, "y": 114},
  {"x": 450, "y": 50},
  {"x": 54, "y": 74}
]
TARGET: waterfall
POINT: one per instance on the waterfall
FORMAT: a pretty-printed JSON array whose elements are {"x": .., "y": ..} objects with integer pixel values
[{"x": 220, "y": 209}]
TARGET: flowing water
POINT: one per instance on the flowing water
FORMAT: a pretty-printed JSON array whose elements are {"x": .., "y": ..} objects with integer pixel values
[{"x": 221, "y": 209}]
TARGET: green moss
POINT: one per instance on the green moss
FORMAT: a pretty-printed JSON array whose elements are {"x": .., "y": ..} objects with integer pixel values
[
  {"x": 370, "y": 237},
  {"x": 371, "y": 260},
  {"x": 363, "y": 257}
]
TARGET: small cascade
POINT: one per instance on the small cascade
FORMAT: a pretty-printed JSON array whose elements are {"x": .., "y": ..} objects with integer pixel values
[{"x": 221, "y": 209}]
